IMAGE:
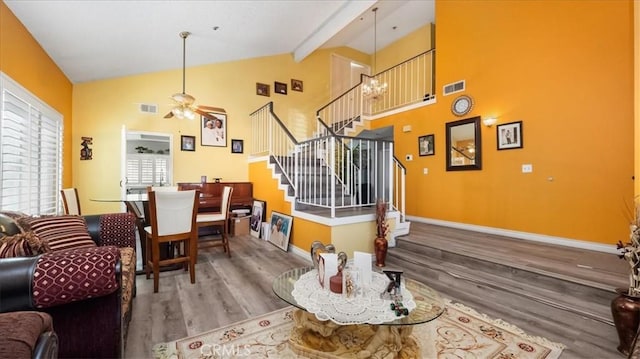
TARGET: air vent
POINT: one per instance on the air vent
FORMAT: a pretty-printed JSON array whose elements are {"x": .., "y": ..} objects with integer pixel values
[
  {"x": 453, "y": 88},
  {"x": 148, "y": 108}
]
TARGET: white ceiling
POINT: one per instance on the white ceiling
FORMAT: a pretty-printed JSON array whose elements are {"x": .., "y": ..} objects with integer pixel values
[{"x": 98, "y": 39}]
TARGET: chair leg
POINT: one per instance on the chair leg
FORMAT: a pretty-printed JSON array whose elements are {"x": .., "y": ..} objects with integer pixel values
[
  {"x": 225, "y": 238},
  {"x": 147, "y": 266},
  {"x": 191, "y": 248},
  {"x": 156, "y": 266}
]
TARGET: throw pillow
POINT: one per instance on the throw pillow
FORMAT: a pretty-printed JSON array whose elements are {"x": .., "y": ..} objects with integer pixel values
[
  {"x": 22, "y": 245},
  {"x": 62, "y": 232}
]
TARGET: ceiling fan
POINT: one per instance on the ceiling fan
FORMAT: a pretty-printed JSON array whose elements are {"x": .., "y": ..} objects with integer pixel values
[{"x": 184, "y": 107}]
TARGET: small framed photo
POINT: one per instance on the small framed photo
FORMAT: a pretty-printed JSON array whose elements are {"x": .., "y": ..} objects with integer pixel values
[
  {"x": 188, "y": 143},
  {"x": 237, "y": 146},
  {"x": 509, "y": 135},
  {"x": 426, "y": 145},
  {"x": 214, "y": 130},
  {"x": 258, "y": 215},
  {"x": 296, "y": 85},
  {"x": 262, "y": 89},
  {"x": 280, "y": 230},
  {"x": 280, "y": 87}
]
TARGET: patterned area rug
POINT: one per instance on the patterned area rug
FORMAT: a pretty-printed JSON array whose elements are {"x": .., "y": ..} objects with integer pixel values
[{"x": 460, "y": 332}]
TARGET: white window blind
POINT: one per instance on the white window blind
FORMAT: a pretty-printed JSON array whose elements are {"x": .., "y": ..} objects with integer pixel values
[
  {"x": 30, "y": 152},
  {"x": 147, "y": 169}
]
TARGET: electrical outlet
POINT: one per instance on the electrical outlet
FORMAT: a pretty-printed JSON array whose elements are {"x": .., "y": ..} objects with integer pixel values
[
  {"x": 527, "y": 168},
  {"x": 425, "y": 171},
  {"x": 406, "y": 128}
]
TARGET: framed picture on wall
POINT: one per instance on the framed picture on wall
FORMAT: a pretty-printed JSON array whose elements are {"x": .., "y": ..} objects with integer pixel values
[
  {"x": 509, "y": 135},
  {"x": 237, "y": 146},
  {"x": 214, "y": 130},
  {"x": 280, "y": 230},
  {"x": 262, "y": 89},
  {"x": 280, "y": 88},
  {"x": 296, "y": 85},
  {"x": 188, "y": 143},
  {"x": 426, "y": 145}
]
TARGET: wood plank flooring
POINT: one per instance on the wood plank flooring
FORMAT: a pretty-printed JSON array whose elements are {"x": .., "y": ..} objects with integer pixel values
[{"x": 228, "y": 290}]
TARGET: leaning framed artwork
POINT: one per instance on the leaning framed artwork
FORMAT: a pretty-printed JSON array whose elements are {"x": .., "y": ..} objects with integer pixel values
[
  {"x": 509, "y": 135},
  {"x": 280, "y": 230},
  {"x": 214, "y": 130},
  {"x": 258, "y": 215},
  {"x": 426, "y": 145}
]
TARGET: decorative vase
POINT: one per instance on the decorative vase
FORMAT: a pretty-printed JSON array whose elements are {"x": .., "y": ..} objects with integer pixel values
[
  {"x": 380, "y": 245},
  {"x": 626, "y": 317}
]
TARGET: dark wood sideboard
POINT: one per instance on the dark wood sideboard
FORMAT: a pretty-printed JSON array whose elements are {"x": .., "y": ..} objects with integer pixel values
[{"x": 211, "y": 194}]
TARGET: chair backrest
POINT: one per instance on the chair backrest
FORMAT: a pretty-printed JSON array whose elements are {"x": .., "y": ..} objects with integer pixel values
[
  {"x": 162, "y": 188},
  {"x": 226, "y": 201},
  {"x": 173, "y": 212},
  {"x": 70, "y": 201}
]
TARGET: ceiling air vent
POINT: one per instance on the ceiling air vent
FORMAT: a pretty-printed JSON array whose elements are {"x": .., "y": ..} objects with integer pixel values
[
  {"x": 148, "y": 108},
  {"x": 454, "y": 87}
]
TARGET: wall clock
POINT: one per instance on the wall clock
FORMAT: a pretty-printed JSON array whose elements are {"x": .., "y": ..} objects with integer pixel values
[{"x": 461, "y": 105}]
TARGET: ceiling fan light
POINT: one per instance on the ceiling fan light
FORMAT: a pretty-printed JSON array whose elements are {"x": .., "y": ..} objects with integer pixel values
[
  {"x": 178, "y": 112},
  {"x": 189, "y": 114},
  {"x": 183, "y": 99}
]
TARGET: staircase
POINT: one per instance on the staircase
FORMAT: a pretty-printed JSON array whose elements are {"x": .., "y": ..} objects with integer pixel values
[{"x": 535, "y": 286}]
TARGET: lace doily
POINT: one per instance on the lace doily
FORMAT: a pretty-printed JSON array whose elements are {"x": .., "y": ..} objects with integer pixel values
[{"x": 367, "y": 307}]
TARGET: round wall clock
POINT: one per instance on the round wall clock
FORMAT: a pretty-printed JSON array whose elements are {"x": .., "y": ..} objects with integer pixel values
[{"x": 461, "y": 105}]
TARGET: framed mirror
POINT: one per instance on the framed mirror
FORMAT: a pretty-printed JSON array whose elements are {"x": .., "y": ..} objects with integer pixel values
[{"x": 464, "y": 145}]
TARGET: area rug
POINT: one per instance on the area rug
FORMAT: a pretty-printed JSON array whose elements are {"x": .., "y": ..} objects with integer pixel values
[{"x": 460, "y": 332}]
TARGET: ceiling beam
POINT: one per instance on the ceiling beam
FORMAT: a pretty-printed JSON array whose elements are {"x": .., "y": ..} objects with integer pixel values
[{"x": 343, "y": 17}]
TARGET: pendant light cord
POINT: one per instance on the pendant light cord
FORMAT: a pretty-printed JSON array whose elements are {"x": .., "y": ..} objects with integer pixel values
[
  {"x": 375, "y": 38},
  {"x": 184, "y": 35}
]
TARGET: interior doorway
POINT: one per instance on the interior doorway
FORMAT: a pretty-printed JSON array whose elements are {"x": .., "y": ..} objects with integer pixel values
[{"x": 345, "y": 73}]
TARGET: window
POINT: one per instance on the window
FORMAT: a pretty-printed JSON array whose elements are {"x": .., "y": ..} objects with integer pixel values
[
  {"x": 147, "y": 170},
  {"x": 30, "y": 152}
]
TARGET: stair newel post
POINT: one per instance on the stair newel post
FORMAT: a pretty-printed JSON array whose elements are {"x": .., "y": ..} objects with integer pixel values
[{"x": 332, "y": 174}]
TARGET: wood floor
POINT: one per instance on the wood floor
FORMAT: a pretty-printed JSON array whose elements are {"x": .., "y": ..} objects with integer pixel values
[{"x": 228, "y": 290}]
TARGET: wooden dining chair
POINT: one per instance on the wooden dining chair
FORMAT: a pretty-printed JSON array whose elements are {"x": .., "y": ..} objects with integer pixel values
[
  {"x": 70, "y": 201},
  {"x": 172, "y": 218},
  {"x": 206, "y": 219}
]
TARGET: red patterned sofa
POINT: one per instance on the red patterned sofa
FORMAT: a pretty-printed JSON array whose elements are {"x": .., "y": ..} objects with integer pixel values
[{"x": 79, "y": 269}]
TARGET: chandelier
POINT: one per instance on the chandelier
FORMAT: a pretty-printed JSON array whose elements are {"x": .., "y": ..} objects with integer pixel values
[{"x": 373, "y": 89}]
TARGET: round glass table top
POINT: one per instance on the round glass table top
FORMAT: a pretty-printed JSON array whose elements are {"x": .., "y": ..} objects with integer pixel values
[{"x": 429, "y": 304}]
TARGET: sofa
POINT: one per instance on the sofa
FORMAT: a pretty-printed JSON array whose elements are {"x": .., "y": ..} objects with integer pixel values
[
  {"x": 78, "y": 269},
  {"x": 27, "y": 335}
]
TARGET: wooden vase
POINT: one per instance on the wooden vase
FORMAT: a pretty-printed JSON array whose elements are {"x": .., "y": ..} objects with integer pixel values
[
  {"x": 625, "y": 310},
  {"x": 380, "y": 246}
]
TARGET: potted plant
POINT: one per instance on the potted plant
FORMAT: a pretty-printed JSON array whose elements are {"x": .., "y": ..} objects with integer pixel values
[
  {"x": 625, "y": 308},
  {"x": 380, "y": 244}
]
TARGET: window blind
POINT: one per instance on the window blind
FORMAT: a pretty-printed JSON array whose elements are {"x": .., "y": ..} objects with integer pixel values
[
  {"x": 30, "y": 152},
  {"x": 146, "y": 169}
]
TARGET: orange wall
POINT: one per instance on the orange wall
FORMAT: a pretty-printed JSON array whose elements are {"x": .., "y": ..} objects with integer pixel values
[
  {"x": 564, "y": 68},
  {"x": 24, "y": 60}
]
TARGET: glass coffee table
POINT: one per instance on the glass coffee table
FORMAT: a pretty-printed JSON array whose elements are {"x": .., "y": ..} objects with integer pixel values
[{"x": 314, "y": 338}]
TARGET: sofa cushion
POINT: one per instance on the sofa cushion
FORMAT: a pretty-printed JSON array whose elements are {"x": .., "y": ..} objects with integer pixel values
[
  {"x": 128, "y": 268},
  {"x": 62, "y": 232},
  {"x": 20, "y": 332},
  {"x": 22, "y": 245},
  {"x": 65, "y": 276}
]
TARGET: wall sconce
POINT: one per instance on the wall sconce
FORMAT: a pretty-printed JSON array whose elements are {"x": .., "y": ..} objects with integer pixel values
[{"x": 490, "y": 121}]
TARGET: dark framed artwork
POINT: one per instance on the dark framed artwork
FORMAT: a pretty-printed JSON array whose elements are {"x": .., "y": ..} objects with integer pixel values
[
  {"x": 280, "y": 87},
  {"x": 262, "y": 89},
  {"x": 214, "y": 130},
  {"x": 237, "y": 146},
  {"x": 188, "y": 143},
  {"x": 426, "y": 145},
  {"x": 280, "y": 230},
  {"x": 296, "y": 85},
  {"x": 509, "y": 135},
  {"x": 258, "y": 215}
]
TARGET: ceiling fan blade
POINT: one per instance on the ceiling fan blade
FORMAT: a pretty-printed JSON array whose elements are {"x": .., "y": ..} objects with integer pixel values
[
  {"x": 169, "y": 115},
  {"x": 211, "y": 109},
  {"x": 205, "y": 114}
]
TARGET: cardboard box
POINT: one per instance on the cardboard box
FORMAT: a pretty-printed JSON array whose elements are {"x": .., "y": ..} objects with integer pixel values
[{"x": 240, "y": 225}]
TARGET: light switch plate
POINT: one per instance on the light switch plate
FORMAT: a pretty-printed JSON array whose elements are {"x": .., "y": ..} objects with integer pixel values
[{"x": 527, "y": 168}]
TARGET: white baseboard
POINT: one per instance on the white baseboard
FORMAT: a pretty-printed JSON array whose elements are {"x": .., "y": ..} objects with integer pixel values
[
  {"x": 567, "y": 242},
  {"x": 300, "y": 253}
]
